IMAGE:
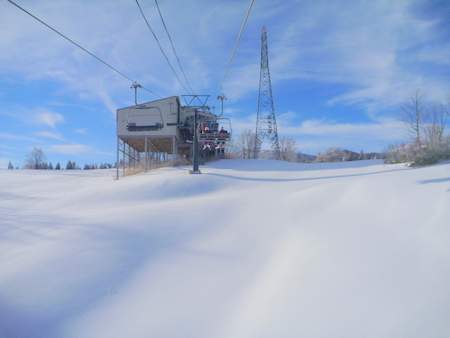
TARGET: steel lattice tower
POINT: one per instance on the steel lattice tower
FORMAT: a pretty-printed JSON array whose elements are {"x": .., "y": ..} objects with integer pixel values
[{"x": 266, "y": 123}]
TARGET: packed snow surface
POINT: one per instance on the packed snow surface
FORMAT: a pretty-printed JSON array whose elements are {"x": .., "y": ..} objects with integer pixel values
[{"x": 247, "y": 249}]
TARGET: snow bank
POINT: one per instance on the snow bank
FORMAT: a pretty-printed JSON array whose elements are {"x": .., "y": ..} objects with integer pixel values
[{"x": 248, "y": 249}]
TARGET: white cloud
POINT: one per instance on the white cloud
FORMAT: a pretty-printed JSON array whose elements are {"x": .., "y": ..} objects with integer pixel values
[
  {"x": 240, "y": 124},
  {"x": 16, "y": 137},
  {"x": 317, "y": 135},
  {"x": 25, "y": 53},
  {"x": 50, "y": 135},
  {"x": 435, "y": 55},
  {"x": 71, "y": 149},
  {"x": 81, "y": 131},
  {"x": 374, "y": 48},
  {"x": 107, "y": 101},
  {"x": 203, "y": 44},
  {"x": 386, "y": 129},
  {"x": 49, "y": 119}
]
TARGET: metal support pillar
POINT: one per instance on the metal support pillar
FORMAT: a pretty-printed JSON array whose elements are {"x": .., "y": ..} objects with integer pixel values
[
  {"x": 175, "y": 147},
  {"x": 146, "y": 153},
  {"x": 195, "y": 168},
  {"x": 123, "y": 159},
  {"x": 117, "y": 159},
  {"x": 127, "y": 155}
]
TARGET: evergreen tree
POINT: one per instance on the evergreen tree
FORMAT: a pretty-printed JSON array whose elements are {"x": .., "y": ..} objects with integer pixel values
[
  {"x": 50, "y": 166},
  {"x": 58, "y": 166},
  {"x": 69, "y": 165},
  {"x": 10, "y": 166}
]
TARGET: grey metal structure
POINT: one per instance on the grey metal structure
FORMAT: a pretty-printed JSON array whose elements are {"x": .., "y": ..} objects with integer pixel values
[
  {"x": 266, "y": 123},
  {"x": 162, "y": 130}
]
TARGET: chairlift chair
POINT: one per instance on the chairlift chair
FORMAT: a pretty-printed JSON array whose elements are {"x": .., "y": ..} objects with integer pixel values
[{"x": 213, "y": 133}]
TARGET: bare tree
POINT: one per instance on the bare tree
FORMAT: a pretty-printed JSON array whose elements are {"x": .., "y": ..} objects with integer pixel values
[
  {"x": 427, "y": 122},
  {"x": 288, "y": 149},
  {"x": 413, "y": 114},
  {"x": 435, "y": 122},
  {"x": 234, "y": 148},
  {"x": 247, "y": 144},
  {"x": 36, "y": 159}
]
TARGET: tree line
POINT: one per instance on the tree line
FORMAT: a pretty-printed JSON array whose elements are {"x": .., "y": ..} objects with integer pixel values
[
  {"x": 36, "y": 159},
  {"x": 244, "y": 148}
]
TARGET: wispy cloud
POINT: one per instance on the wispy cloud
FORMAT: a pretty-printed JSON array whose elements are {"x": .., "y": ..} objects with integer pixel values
[
  {"x": 318, "y": 135},
  {"x": 314, "y": 135},
  {"x": 435, "y": 54},
  {"x": 388, "y": 130},
  {"x": 50, "y": 135},
  {"x": 81, "y": 131},
  {"x": 71, "y": 149},
  {"x": 373, "y": 48},
  {"x": 49, "y": 119},
  {"x": 16, "y": 137}
]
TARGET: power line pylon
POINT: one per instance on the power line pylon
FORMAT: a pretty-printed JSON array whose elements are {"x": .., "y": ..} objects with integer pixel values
[{"x": 266, "y": 123}]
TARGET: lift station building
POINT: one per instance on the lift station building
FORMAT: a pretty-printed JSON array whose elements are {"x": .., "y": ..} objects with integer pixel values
[{"x": 157, "y": 130}]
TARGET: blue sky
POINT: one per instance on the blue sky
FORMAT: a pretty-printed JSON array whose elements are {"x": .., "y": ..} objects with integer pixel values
[{"x": 340, "y": 69}]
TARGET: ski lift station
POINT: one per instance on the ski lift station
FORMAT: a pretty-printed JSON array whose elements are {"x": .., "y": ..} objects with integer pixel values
[{"x": 162, "y": 130}]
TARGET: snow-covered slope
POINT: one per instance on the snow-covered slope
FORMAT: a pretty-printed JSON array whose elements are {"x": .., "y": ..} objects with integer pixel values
[{"x": 248, "y": 249}]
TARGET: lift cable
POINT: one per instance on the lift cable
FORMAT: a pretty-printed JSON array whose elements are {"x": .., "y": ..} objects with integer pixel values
[
  {"x": 79, "y": 46},
  {"x": 236, "y": 45},
  {"x": 159, "y": 45},
  {"x": 173, "y": 48},
  {"x": 151, "y": 91}
]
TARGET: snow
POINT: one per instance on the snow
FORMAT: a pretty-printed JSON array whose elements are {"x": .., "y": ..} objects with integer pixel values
[{"x": 247, "y": 249}]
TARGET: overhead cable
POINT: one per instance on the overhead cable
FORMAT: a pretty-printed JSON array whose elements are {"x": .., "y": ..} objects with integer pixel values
[
  {"x": 236, "y": 44},
  {"x": 173, "y": 48},
  {"x": 160, "y": 47},
  {"x": 77, "y": 45}
]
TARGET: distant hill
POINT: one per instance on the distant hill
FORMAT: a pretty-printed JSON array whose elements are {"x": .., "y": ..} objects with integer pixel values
[
  {"x": 302, "y": 157},
  {"x": 330, "y": 155},
  {"x": 340, "y": 155}
]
